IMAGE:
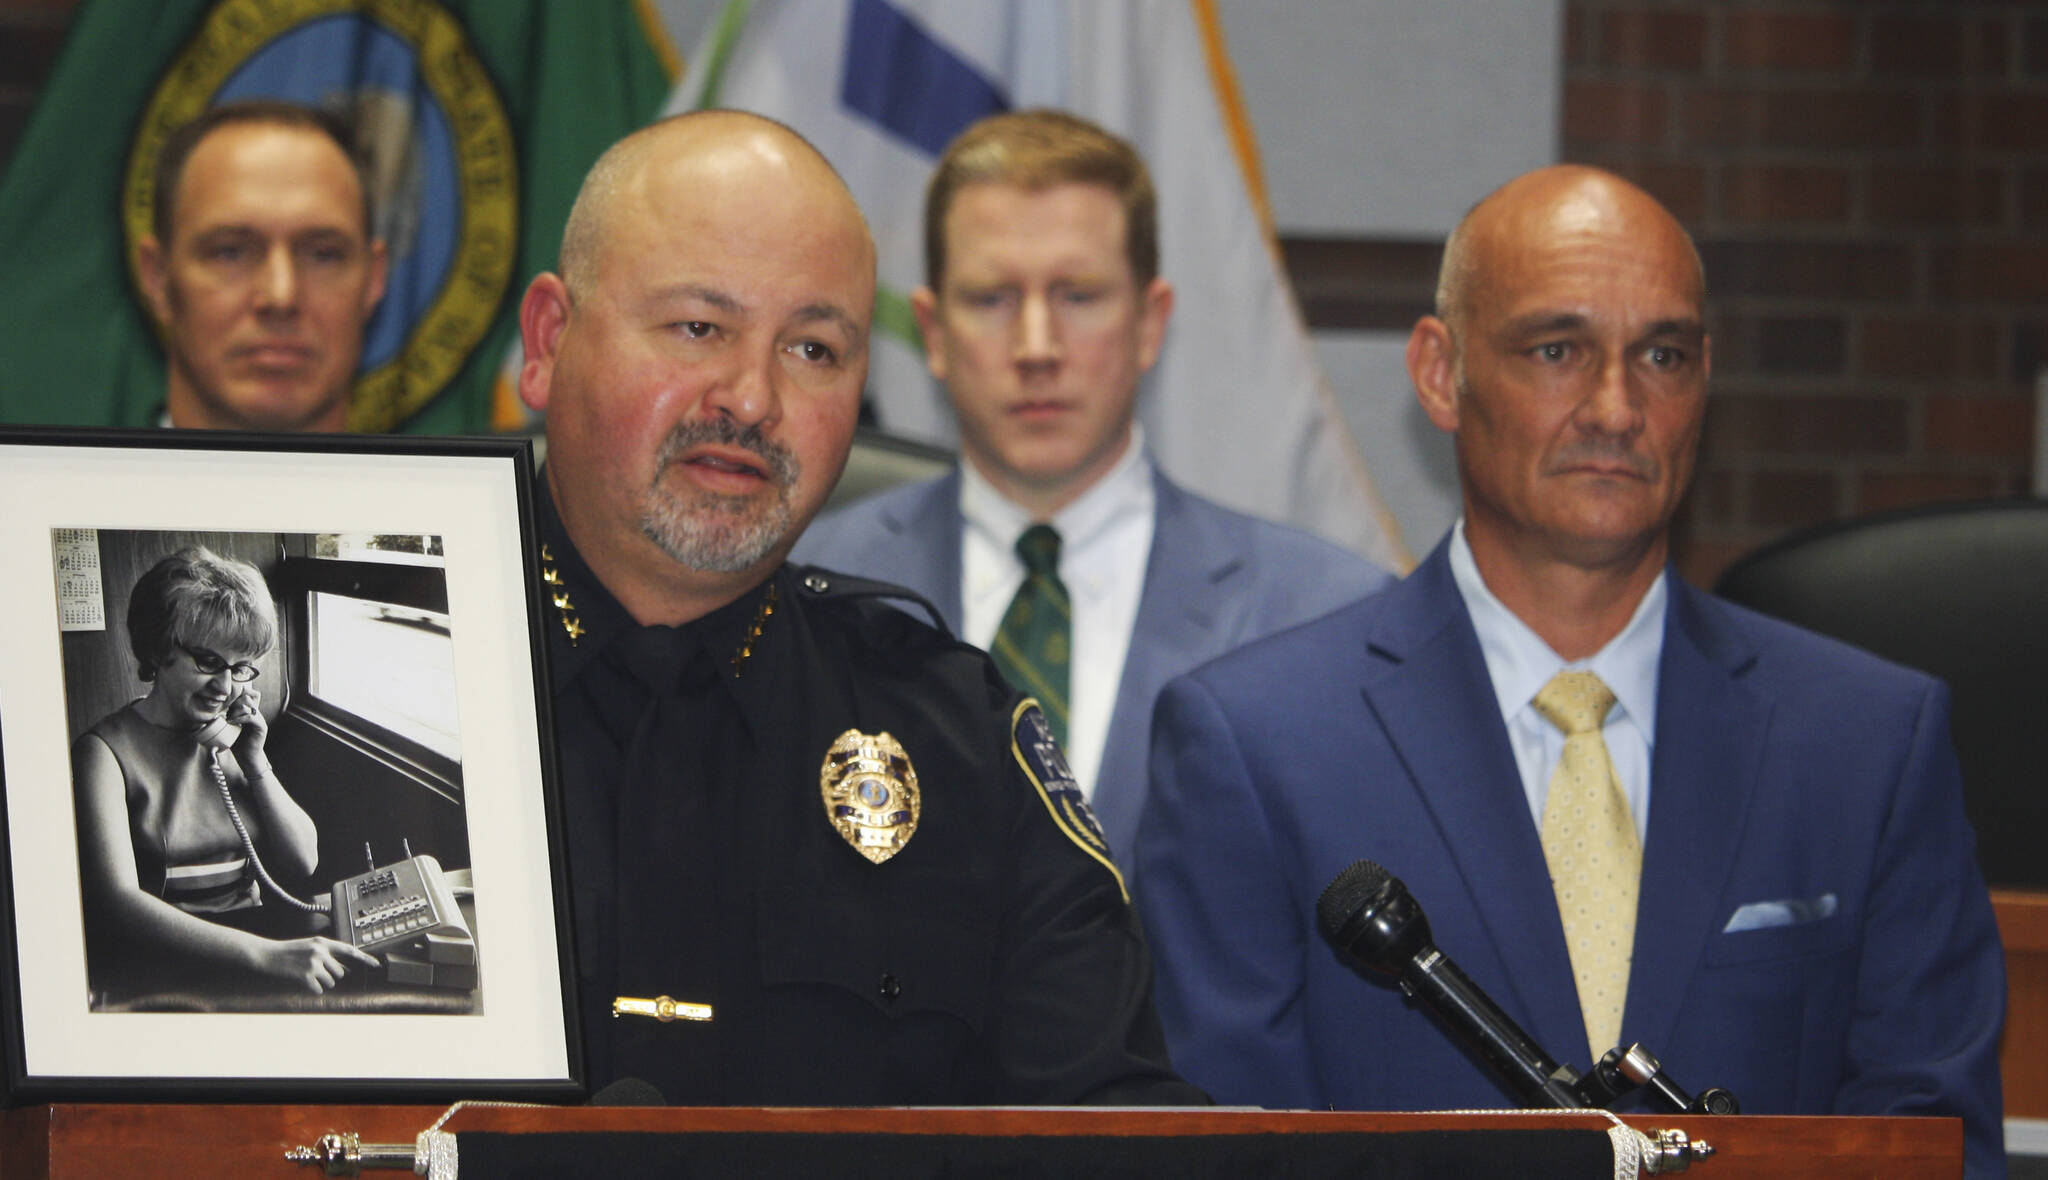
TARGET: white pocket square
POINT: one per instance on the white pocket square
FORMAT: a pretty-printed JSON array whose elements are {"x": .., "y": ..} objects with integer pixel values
[{"x": 1763, "y": 915}]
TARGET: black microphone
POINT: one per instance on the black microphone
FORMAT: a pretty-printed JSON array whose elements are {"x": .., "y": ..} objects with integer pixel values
[{"x": 1369, "y": 916}]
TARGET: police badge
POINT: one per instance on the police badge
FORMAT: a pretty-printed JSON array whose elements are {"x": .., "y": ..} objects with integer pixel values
[{"x": 870, "y": 793}]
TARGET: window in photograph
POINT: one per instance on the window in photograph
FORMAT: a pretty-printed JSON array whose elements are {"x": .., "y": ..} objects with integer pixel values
[
  {"x": 380, "y": 654},
  {"x": 391, "y": 665}
]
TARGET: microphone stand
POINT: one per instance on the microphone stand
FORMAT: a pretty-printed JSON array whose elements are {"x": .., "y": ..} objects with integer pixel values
[{"x": 1621, "y": 1070}]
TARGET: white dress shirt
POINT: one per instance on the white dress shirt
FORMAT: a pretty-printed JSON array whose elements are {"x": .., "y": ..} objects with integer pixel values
[
  {"x": 1105, "y": 542},
  {"x": 1520, "y": 664}
]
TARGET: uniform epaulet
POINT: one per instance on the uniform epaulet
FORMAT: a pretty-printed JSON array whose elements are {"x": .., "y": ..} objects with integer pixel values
[{"x": 826, "y": 585}]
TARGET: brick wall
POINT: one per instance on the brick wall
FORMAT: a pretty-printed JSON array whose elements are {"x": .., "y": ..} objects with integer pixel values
[{"x": 1868, "y": 182}]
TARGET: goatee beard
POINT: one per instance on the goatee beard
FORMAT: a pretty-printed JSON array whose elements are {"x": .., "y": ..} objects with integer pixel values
[{"x": 713, "y": 532}]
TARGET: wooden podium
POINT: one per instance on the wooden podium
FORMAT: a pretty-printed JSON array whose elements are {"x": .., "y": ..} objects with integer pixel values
[{"x": 188, "y": 1142}]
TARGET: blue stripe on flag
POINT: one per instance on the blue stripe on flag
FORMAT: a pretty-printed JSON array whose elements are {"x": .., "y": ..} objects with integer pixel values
[{"x": 909, "y": 84}]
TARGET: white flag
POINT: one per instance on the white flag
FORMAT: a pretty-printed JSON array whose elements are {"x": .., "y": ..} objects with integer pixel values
[{"x": 1236, "y": 409}]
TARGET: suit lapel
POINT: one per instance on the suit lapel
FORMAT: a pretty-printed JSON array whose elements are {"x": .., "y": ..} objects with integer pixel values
[
  {"x": 1710, "y": 737},
  {"x": 924, "y": 534},
  {"x": 1188, "y": 589},
  {"x": 1429, "y": 689}
]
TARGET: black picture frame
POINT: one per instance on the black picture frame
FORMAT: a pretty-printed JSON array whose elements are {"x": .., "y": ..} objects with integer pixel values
[{"x": 496, "y": 1017}]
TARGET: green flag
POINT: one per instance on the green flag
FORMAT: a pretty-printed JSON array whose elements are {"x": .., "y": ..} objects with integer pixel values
[{"x": 479, "y": 118}]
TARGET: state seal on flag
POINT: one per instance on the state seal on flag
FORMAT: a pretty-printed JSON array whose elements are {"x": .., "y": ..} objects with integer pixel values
[{"x": 439, "y": 157}]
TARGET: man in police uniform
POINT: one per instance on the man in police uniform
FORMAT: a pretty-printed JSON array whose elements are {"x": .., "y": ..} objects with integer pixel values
[{"x": 818, "y": 853}]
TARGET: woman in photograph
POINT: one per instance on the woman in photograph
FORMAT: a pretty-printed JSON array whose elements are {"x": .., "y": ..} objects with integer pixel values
[{"x": 182, "y": 823}]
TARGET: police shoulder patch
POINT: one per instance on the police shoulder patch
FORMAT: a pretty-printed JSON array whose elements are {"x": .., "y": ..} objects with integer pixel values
[{"x": 1032, "y": 744}]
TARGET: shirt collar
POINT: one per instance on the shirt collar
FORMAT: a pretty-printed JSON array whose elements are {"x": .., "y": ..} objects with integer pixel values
[
  {"x": 572, "y": 598},
  {"x": 989, "y": 513},
  {"x": 1520, "y": 663}
]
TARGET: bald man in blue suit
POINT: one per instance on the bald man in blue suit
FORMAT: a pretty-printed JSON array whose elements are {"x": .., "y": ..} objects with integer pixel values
[{"x": 1809, "y": 926}]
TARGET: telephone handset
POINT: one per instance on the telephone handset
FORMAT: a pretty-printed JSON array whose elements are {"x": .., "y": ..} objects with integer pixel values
[{"x": 218, "y": 734}]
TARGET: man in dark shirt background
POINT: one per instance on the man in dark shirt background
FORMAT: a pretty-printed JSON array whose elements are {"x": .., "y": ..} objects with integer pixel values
[{"x": 261, "y": 270}]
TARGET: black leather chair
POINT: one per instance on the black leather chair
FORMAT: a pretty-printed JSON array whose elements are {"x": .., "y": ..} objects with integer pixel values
[
  {"x": 880, "y": 461},
  {"x": 1959, "y": 591}
]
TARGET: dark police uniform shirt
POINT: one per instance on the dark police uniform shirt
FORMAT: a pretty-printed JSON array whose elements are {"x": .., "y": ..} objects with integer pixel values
[{"x": 994, "y": 959}]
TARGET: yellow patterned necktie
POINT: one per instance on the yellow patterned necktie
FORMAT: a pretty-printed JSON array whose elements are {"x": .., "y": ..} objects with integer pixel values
[
  {"x": 1596, "y": 862},
  {"x": 1031, "y": 647}
]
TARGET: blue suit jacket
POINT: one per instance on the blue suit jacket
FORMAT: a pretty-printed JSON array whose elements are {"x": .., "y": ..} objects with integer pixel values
[
  {"x": 1215, "y": 580},
  {"x": 1787, "y": 768}
]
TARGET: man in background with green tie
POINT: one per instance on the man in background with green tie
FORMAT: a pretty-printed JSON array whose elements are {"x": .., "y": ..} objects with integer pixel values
[
  {"x": 1057, "y": 544},
  {"x": 1632, "y": 813}
]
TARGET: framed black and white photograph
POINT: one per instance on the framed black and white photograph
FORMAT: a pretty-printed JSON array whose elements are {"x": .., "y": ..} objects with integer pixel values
[{"x": 279, "y": 810}]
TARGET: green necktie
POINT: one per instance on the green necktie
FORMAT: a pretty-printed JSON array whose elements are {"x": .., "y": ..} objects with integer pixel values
[{"x": 1032, "y": 646}]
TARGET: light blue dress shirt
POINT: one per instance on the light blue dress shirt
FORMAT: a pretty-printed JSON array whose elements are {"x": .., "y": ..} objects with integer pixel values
[{"x": 1520, "y": 664}]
